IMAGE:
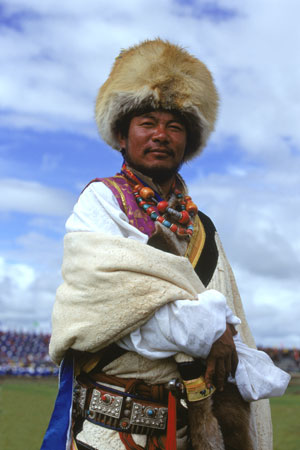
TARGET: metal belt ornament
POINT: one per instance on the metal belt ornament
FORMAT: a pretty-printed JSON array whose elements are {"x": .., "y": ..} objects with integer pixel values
[
  {"x": 197, "y": 390},
  {"x": 119, "y": 411}
]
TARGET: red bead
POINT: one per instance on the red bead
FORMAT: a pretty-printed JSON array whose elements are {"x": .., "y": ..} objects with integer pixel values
[
  {"x": 142, "y": 203},
  {"x": 187, "y": 198},
  {"x": 146, "y": 193},
  {"x": 177, "y": 191},
  {"x": 160, "y": 219},
  {"x": 173, "y": 227},
  {"x": 190, "y": 232},
  {"x": 181, "y": 231},
  {"x": 162, "y": 206},
  {"x": 105, "y": 398},
  {"x": 137, "y": 187},
  {"x": 191, "y": 208},
  {"x": 150, "y": 210},
  {"x": 185, "y": 217}
]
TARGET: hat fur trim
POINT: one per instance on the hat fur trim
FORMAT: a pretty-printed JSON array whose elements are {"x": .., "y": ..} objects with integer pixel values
[{"x": 160, "y": 75}]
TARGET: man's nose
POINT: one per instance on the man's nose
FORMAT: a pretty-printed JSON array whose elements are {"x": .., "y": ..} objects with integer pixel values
[{"x": 160, "y": 134}]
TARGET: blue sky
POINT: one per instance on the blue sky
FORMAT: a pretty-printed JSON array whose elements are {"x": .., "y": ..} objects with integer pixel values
[{"x": 53, "y": 61}]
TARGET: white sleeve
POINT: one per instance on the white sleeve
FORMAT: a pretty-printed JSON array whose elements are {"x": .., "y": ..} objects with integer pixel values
[
  {"x": 184, "y": 326},
  {"x": 97, "y": 209},
  {"x": 256, "y": 375}
]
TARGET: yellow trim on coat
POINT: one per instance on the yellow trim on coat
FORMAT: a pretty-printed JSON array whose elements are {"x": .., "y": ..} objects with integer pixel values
[
  {"x": 197, "y": 242},
  {"x": 74, "y": 445},
  {"x": 116, "y": 186}
]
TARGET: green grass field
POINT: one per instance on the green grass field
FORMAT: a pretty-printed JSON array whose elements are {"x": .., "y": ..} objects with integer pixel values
[{"x": 26, "y": 406}]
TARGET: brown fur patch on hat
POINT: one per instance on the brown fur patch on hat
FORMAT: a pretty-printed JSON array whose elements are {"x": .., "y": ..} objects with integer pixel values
[{"x": 158, "y": 75}]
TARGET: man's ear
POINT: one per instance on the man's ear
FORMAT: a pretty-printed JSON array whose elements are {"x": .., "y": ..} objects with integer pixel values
[{"x": 121, "y": 139}]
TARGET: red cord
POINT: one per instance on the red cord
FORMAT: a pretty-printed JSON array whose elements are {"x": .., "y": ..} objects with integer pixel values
[{"x": 171, "y": 427}]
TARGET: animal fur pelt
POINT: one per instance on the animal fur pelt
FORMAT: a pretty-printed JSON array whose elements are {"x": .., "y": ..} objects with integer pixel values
[
  {"x": 221, "y": 422},
  {"x": 158, "y": 75}
]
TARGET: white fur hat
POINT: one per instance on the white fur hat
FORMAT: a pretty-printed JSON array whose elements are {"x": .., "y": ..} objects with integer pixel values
[{"x": 158, "y": 75}]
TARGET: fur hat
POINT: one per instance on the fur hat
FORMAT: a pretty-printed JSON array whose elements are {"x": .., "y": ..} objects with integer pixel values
[{"x": 158, "y": 75}]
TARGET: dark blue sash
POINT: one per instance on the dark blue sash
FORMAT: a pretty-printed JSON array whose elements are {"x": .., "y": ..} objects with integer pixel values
[{"x": 58, "y": 434}]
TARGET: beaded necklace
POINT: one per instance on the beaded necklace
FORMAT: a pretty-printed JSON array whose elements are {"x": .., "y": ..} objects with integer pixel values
[{"x": 146, "y": 198}]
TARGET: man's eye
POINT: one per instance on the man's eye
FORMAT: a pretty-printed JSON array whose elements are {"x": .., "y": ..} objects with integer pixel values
[
  {"x": 176, "y": 127},
  {"x": 148, "y": 123}
]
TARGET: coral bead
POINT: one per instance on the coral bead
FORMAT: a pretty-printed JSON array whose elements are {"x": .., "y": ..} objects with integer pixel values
[
  {"x": 185, "y": 217},
  {"x": 162, "y": 206},
  {"x": 173, "y": 227},
  {"x": 137, "y": 188},
  {"x": 106, "y": 398},
  {"x": 160, "y": 219},
  {"x": 187, "y": 198},
  {"x": 191, "y": 208},
  {"x": 146, "y": 193},
  {"x": 150, "y": 210}
]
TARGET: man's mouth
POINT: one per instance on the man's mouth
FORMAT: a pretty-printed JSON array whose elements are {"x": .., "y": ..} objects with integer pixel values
[{"x": 160, "y": 151}]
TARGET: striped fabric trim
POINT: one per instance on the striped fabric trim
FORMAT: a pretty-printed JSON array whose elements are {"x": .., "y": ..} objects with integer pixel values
[
  {"x": 122, "y": 196},
  {"x": 197, "y": 242},
  {"x": 73, "y": 445}
]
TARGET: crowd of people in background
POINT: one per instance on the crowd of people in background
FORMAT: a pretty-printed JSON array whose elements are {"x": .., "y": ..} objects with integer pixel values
[
  {"x": 26, "y": 354},
  {"x": 286, "y": 359}
]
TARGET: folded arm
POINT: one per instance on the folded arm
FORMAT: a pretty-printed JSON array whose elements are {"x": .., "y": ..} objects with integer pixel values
[{"x": 197, "y": 328}]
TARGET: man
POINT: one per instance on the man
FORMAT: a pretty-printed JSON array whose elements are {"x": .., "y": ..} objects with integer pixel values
[{"x": 147, "y": 287}]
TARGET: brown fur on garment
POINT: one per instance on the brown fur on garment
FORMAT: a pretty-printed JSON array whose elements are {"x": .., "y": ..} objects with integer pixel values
[
  {"x": 221, "y": 422},
  {"x": 233, "y": 414}
]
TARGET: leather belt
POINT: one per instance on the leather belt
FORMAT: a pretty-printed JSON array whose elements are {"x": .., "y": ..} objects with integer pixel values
[{"x": 117, "y": 410}]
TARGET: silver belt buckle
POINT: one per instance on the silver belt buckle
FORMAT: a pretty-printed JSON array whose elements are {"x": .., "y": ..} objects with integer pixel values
[
  {"x": 148, "y": 416},
  {"x": 126, "y": 413},
  {"x": 108, "y": 404}
]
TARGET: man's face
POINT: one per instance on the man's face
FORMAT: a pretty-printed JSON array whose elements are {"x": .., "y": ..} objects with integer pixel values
[{"x": 155, "y": 144}]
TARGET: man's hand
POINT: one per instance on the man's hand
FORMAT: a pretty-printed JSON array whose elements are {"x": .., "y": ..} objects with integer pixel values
[{"x": 222, "y": 359}]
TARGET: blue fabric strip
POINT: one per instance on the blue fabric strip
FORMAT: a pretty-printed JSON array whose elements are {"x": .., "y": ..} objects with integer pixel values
[{"x": 57, "y": 436}]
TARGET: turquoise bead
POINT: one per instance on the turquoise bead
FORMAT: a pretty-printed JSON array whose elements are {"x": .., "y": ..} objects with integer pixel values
[
  {"x": 146, "y": 207},
  {"x": 154, "y": 215},
  {"x": 166, "y": 223}
]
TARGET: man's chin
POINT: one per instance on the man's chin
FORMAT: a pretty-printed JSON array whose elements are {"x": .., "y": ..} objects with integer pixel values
[{"x": 157, "y": 172}]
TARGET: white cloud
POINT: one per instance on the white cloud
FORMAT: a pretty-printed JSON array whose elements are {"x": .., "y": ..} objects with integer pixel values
[
  {"x": 54, "y": 66},
  {"x": 29, "y": 277},
  {"x": 256, "y": 214},
  {"x": 32, "y": 197}
]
